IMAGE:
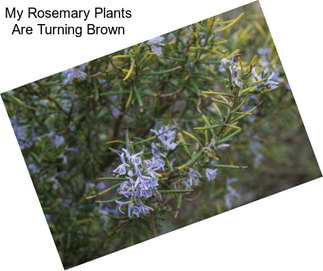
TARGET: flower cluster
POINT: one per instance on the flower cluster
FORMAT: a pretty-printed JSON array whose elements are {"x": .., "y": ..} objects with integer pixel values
[
  {"x": 141, "y": 181},
  {"x": 268, "y": 78},
  {"x": 142, "y": 174}
]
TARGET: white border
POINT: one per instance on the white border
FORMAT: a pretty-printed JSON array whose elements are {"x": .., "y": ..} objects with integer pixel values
[{"x": 281, "y": 232}]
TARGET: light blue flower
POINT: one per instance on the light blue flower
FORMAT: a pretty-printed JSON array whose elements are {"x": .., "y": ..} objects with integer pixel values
[
  {"x": 211, "y": 174},
  {"x": 105, "y": 210},
  {"x": 221, "y": 68}
]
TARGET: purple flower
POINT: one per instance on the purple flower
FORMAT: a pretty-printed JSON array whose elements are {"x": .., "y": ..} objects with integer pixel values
[
  {"x": 18, "y": 129},
  {"x": 192, "y": 179},
  {"x": 231, "y": 194},
  {"x": 255, "y": 74},
  {"x": 68, "y": 96},
  {"x": 234, "y": 70},
  {"x": 246, "y": 108},
  {"x": 151, "y": 166},
  {"x": 48, "y": 217},
  {"x": 287, "y": 86},
  {"x": 105, "y": 210},
  {"x": 263, "y": 51},
  {"x": 135, "y": 159},
  {"x": 58, "y": 140},
  {"x": 211, "y": 174},
  {"x": 33, "y": 168},
  {"x": 64, "y": 157},
  {"x": 156, "y": 44},
  {"x": 235, "y": 74},
  {"x": 127, "y": 188},
  {"x": 136, "y": 208},
  {"x": 100, "y": 186},
  {"x": 121, "y": 204},
  {"x": 225, "y": 63},
  {"x": 272, "y": 81},
  {"x": 72, "y": 149},
  {"x": 141, "y": 208},
  {"x": 264, "y": 54},
  {"x": 55, "y": 183},
  {"x": 73, "y": 73},
  {"x": 254, "y": 147},
  {"x": 20, "y": 133},
  {"x": 156, "y": 153},
  {"x": 166, "y": 135},
  {"x": 115, "y": 112},
  {"x": 122, "y": 168}
]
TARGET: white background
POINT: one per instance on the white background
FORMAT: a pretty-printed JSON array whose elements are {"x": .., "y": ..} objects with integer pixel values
[{"x": 281, "y": 232}]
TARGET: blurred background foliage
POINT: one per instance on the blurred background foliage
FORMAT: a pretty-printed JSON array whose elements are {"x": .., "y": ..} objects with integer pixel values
[{"x": 63, "y": 123}]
